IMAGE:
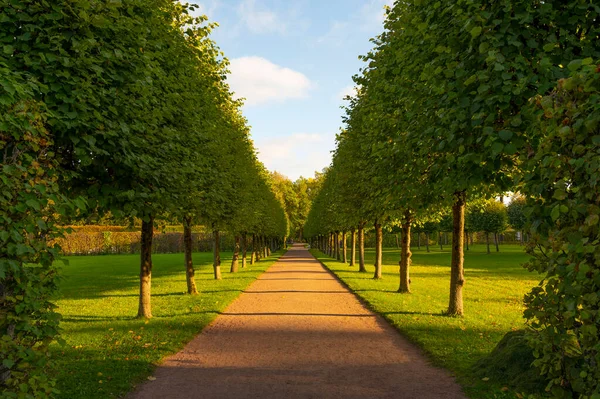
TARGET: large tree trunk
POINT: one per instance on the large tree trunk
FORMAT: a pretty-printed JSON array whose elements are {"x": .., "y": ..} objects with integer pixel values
[
  {"x": 145, "y": 308},
  {"x": 344, "y": 247},
  {"x": 378, "y": 250},
  {"x": 427, "y": 241},
  {"x": 457, "y": 278},
  {"x": 487, "y": 240},
  {"x": 353, "y": 248},
  {"x": 496, "y": 239},
  {"x": 189, "y": 265},
  {"x": 405, "y": 254},
  {"x": 236, "y": 255},
  {"x": 361, "y": 248},
  {"x": 217, "y": 255},
  {"x": 244, "y": 249}
]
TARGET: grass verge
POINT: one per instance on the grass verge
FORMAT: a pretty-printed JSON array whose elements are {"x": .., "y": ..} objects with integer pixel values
[
  {"x": 493, "y": 302},
  {"x": 107, "y": 349}
]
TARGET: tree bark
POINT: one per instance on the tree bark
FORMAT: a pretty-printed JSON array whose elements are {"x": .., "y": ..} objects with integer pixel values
[
  {"x": 353, "y": 248},
  {"x": 397, "y": 241},
  {"x": 405, "y": 254},
  {"x": 440, "y": 240},
  {"x": 466, "y": 241},
  {"x": 236, "y": 255},
  {"x": 145, "y": 307},
  {"x": 338, "y": 252},
  {"x": 189, "y": 264},
  {"x": 378, "y": 249},
  {"x": 217, "y": 255},
  {"x": 457, "y": 278},
  {"x": 487, "y": 240},
  {"x": 361, "y": 248},
  {"x": 344, "y": 247},
  {"x": 253, "y": 250},
  {"x": 264, "y": 247},
  {"x": 244, "y": 249},
  {"x": 496, "y": 240},
  {"x": 427, "y": 241}
]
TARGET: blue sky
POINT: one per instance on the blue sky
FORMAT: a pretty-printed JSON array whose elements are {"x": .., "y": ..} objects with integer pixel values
[{"x": 293, "y": 61}]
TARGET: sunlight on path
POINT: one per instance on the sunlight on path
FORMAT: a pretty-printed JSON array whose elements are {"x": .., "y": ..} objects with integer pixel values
[{"x": 296, "y": 332}]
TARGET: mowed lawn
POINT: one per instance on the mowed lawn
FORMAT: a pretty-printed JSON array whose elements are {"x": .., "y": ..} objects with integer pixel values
[
  {"x": 493, "y": 303},
  {"x": 106, "y": 348}
]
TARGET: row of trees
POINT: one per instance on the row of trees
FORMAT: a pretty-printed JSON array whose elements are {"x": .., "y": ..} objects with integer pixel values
[
  {"x": 466, "y": 100},
  {"x": 117, "y": 106},
  {"x": 297, "y": 197}
]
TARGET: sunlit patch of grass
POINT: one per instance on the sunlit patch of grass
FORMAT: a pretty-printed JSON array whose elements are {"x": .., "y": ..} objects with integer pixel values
[
  {"x": 107, "y": 349},
  {"x": 493, "y": 303}
]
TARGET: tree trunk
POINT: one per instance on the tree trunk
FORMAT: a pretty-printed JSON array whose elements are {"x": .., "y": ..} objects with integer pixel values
[
  {"x": 457, "y": 278},
  {"x": 265, "y": 253},
  {"x": 466, "y": 241},
  {"x": 361, "y": 248},
  {"x": 244, "y": 249},
  {"x": 487, "y": 239},
  {"x": 145, "y": 308},
  {"x": 353, "y": 248},
  {"x": 217, "y": 255},
  {"x": 405, "y": 254},
  {"x": 419, "y": 241},
  {"x": 378, "y": 250},
  {"x": 440, "y": 240},
  {"x": 427, "y": 241},
  {"x": 269, "y": 246},
  {"x": 253, "y": 250},
  {"x": 397, "y": 241},
  {"x": 189, "y": 265},
  {"x": 496, "y": 239},
  {"x": 236, "y": 255},
  {"x": 344, "y": 247}
]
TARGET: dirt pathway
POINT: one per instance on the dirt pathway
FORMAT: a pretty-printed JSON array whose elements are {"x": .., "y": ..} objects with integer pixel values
[{"x": 296, "y": 332}]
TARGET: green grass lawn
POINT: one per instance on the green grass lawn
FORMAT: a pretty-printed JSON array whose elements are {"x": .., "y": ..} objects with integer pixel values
[
  {"x": 107, "y": 349},
  {"x": 493, "y": 303}
]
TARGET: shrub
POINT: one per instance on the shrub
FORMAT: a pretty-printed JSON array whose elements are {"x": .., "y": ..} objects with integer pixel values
[
  {"x": 562, "y": 182},
  {"x": 28, "y": 200}
]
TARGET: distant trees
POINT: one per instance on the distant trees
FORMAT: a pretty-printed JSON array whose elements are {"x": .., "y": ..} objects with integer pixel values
[{"x": 489, "y": 217}]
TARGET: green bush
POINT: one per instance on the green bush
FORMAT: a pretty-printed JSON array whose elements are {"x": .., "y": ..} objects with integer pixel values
[
  {"x": 28, "y": 200},
  {"x": 562, "y": 181}
]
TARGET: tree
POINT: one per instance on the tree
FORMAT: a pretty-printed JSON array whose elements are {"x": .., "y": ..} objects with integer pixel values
[
  {"x": 489, "y": 217},
  {"x": 561, "y": 187},
  {"x": 30, "y": 201},
  {"x": 516, "y": 215}
]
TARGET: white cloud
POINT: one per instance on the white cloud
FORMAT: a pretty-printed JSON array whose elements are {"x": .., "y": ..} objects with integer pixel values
[
  {"x": 260, "y": 81},
  {"x": 349, "y": 90},
  {"x": 260, "y": 19},
  {"x": 298, "y": 154}
]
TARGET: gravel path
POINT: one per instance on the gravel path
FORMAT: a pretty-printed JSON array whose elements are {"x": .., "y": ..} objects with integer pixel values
[{"x": 296, "y": 332}]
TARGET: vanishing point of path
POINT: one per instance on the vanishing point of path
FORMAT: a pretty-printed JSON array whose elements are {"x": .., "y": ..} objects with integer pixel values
[{"x": 296, "y": 332}]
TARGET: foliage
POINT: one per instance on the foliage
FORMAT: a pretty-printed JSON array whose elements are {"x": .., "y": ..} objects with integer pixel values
[
  {"x": 511, "y": 361},
  {"x": 488, "y": 216},
  {"x": 516, "y": 213},
  {"x": 29, "y": 199},
  {"x": 563, "y": 168}
]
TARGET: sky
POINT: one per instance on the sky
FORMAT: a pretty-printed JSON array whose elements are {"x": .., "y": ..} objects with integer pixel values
[{"x": 293, "y": 61}]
